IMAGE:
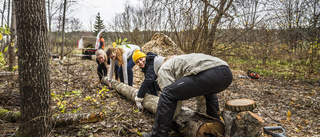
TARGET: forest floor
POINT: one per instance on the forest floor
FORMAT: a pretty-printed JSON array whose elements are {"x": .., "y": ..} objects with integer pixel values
[{"x": 74, "y": 91}]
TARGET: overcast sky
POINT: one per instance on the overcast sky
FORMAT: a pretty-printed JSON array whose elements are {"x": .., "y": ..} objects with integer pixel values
[{"x": 88, "y": 9}]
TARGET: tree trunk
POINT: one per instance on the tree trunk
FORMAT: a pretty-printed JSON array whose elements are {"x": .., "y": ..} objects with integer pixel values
[
  {"x": 8, "y": 16},
  {"x": 189, "y": 123},
  {"x": 12, "y": 44},
  {"x": 4, "y": 9},
  {"x": 33, "y": 62},
  {"x": 63, "y": 28}
]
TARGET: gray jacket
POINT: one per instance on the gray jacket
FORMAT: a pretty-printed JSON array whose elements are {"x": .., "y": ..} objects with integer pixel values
[{"x": 185, "y": 65}]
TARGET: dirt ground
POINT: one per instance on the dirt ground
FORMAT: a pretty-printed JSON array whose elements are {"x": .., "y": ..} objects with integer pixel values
[{"x": 73, "y": 84}]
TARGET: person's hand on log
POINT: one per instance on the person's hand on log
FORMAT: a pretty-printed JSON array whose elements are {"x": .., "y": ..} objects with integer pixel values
[{"x": 139, "y": 102}]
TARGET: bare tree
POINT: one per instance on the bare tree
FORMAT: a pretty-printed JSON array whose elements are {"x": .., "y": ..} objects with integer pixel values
[
  {"x": 3, "y": 10},
  {"x": 12, "y": 45},
  {"x": 34, "y": 67},
  {"x": 63, "y": 28},
  {"x": 2, "y": 21}
]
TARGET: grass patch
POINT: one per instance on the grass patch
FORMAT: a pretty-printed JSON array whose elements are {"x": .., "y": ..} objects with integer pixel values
[{"x": 297, "y": 69}]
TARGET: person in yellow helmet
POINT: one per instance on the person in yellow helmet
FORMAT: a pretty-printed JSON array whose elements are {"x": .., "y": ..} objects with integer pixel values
[{"x": 148, "y": 63}]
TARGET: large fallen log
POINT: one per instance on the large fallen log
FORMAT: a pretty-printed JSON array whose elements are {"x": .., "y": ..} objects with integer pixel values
[
  {"x": 189, "y": 122},
  {"x": 58, "y": 120}
]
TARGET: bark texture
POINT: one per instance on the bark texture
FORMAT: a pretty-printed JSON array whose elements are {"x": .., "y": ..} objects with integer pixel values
[
  {"x": 33, "y": 62},
  {"x": 11, "y": 47},
  {"x": 59, "y": 120},
  {"x": 189, "y": 123},
  {"x": 242, "y": 124}
]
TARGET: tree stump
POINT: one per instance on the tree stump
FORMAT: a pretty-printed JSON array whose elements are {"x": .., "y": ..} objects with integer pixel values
[
  {"x": 239, "y": 105},
  {"x": 239, "y": 119}
]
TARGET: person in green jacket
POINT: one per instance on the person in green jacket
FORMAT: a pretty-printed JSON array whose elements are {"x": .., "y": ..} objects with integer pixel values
[{"x": 183, "y": 77}]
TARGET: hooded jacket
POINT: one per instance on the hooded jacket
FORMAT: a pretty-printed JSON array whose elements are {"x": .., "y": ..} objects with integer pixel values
[
  {"x": 149, "y": 84},
  {"x": 186, "y": 65}
]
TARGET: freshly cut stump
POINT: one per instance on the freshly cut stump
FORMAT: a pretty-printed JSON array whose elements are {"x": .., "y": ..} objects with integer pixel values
[
  {"x": 239, "y": 119},
  {"x": 239, "y": 105}
]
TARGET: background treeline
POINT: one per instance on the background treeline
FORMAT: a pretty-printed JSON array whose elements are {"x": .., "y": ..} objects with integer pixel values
[
  {"x": 268, "y": 36},
  {"x": 261, "y": 31}
]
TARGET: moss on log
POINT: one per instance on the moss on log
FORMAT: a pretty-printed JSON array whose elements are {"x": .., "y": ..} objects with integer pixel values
[
  {"x": 58, "y": 120},
  {"x": 11, "y": 116}
]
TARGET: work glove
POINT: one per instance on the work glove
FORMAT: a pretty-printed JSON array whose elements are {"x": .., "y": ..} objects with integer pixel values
[{"x": 139, "y": 102}]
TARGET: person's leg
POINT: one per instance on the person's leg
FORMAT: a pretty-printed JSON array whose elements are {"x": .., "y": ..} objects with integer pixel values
[
  {"x": 204, "y": 83},
  {"x": 201, "y": 104},
  {"x": 130, "y": 72},
  {"x": 223, "y": 78},
  {"x": 120, "y": 74},
  {"x": 182, "y": 89},
  {"x": 116, "y": 67},
  {"x": 212, "y": 105},
  {"x": 105, "y": 70}
]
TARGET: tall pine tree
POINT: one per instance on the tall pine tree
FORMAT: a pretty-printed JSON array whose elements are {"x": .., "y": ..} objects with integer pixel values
[{"x": 98, "y": 25}]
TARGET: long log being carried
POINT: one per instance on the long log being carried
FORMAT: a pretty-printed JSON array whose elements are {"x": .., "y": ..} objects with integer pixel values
[{"x": 190, "y": 123}]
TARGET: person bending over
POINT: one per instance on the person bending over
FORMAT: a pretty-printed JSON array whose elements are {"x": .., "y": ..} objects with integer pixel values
[
  {"x": 148, "y": 63},
  {"x": 183, "y": 77},
  {"x": 124, "y": 58},
  {"x": 102, "y": 61}
]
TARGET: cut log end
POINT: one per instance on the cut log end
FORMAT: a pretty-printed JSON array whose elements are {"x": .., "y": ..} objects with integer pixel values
[
  {"x": 239, "y": 105},
  {"x": 215, "y": 129}
]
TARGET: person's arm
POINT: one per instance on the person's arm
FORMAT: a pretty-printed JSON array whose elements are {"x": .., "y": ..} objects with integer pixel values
[
  {"x": 111, "y": 70},
  {"x": 124, "y": 68},
  {"x": 108, "y": 60}
]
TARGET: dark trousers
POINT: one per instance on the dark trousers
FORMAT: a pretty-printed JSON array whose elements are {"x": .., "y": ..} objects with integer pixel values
[
  {"x": 130, "y": 65},
  {"x": 206, "y": 83},
  {"x": 116, "y": 68}
]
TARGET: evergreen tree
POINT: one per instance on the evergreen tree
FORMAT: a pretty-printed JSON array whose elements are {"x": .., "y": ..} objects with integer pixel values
[{"x": 98, "y": 25}]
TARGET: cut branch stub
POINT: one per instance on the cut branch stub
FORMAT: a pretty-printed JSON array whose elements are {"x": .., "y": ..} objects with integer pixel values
[{"x": 239, "y": 105}]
